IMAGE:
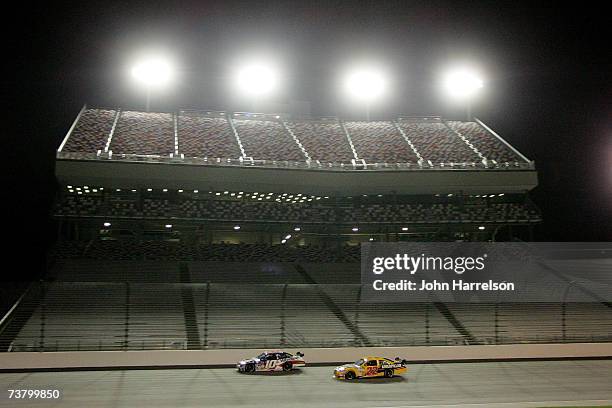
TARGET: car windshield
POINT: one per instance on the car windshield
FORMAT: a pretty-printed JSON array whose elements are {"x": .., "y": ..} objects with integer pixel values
[
  {"x": 359, "y": 362},
  {"x": 262, "y": 355}
]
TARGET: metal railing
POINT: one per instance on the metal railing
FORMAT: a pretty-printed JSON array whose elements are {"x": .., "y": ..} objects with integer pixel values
[{"x": 305, "y": 165}]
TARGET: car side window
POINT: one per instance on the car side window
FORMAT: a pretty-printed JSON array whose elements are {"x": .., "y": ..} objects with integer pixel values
[
  {"x": 272, "y": 356},
  {"x": 372, "y": 363}
]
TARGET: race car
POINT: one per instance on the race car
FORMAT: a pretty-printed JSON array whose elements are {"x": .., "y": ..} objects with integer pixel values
[
  {"x": 369, "y": 367},
  {"x": 272, "y": 361}
]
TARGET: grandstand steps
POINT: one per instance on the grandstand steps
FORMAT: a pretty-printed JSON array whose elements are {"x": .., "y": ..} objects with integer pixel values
[
  {"x": 458, "y": 325},
  {"x": 189, "y": 310},
  {"x": 14, "y": 323},
  {"x": 466, "y": 140},
  {"x": 354, "y": 329},
  {"x": 236, "y": 135},
  {"x": 348, "y": 138},
  {"x": 296, "y": 139}
]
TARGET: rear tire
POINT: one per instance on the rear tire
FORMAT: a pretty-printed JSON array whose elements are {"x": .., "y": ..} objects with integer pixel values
[
  {"x": 287, "y": 366},
  {"x": 388, "y": 373},
  {"x": 349, "y": 376}
]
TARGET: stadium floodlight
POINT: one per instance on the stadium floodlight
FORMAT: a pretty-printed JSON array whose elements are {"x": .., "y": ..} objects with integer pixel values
[
  {"x": 257, "y": 79},
  {"x": 168, "y": 225},
  {"x": 365, "y": 85},
  {"x": 297, "y": 229},
  {"x": 354, "y": 229},
  {"x": 107, "y": 224},
  {"x": 462, "y": 84},
  {"x": 236, "y": 227},
  {"x": 153, "y": 73},
  {"x": 481, "y": 228}
]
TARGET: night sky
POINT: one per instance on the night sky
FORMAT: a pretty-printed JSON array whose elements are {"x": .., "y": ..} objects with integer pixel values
[{"x": 547, "y": 90}]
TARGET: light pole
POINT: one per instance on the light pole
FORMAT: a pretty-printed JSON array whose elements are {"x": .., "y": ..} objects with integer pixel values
[
  {"x": 462, "y": 84},
  {"x": 152, "y": 73}
]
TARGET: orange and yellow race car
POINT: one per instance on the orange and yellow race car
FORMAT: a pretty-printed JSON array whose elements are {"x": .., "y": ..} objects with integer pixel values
[{"x": 369, "y": 367}]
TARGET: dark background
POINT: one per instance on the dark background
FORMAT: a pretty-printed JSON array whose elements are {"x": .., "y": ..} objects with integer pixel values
[{"x": 547, "y": 91}]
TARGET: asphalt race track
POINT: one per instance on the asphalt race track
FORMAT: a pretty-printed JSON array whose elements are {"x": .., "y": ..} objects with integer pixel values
[{"x": 498, "y": 384}]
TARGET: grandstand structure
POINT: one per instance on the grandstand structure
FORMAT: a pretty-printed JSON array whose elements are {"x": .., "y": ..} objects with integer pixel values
[{"x": 202, "y": 229}]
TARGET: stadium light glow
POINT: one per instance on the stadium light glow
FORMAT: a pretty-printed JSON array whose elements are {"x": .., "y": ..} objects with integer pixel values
[
  {"x": 288, "y": 236},
  {"x": 153, "y": 72},
  {"x": 236, "y": 227},
  {"x": 257, "y": 79},
  {"x": 297, "y": 229},
  {"x": 462, "y": 83},
  {"x": 107, "y": 224},
  {"x": 481, "y": 228},
  {"x": 365, "y": 84},
  {"x": 168, "y": 225},
  {"x": 355, "y": 229}
]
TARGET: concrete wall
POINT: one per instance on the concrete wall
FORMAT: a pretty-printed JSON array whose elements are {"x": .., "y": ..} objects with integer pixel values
[{"x": 228, "y": 357}]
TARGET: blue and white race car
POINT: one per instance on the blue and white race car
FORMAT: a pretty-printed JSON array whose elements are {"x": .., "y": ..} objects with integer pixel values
[{"x": 272, "y": 361}]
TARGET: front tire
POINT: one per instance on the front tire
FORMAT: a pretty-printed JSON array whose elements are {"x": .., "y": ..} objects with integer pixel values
[
  {"x": 349, "y": 376},
  {"x": 388, "y": 373},
  {"x": 249, "y": 368},
  {"x": 287, "y": 366}
]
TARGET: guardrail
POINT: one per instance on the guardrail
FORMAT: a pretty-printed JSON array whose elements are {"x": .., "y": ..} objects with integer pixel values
[{"x": 306, "y": 165}]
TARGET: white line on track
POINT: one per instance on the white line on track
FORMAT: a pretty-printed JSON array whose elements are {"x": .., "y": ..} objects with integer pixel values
[{"x": 511, "y": 404}]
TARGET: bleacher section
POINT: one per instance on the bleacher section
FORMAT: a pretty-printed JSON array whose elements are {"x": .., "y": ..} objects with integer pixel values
[
  {"x": 323, "y": 140},
  {"x": 306, "y": 210},
  {"x": 237, "y": 316},
  {"x": 139, "y": 315},
  {"x": 201, "y": 135},
  {"x": 208, "y": 136},
  {"x": 490, "y": 146},
  {"x": 130, "y": 250},
  {"x": 249, "y": 273},
  {"x": 267, "y": 140},
  {"x": 380, "y": 142},
  {"x": 111, "y": 270},
  {"x": 91, "y": 131},
  {"x": 437, "y": 143},
  {"x": 143, "y": 133}
]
